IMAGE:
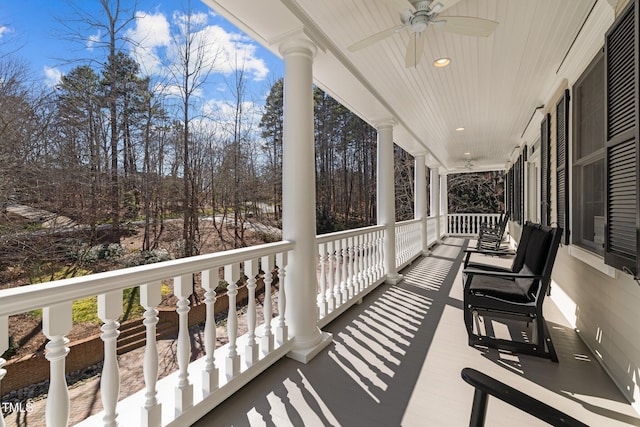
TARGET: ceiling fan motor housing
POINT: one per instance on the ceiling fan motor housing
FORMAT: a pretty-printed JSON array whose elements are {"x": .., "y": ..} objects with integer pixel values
[{"x": 423, "y": 15}]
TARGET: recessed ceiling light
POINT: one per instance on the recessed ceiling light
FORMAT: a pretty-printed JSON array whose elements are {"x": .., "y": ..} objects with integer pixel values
[
  {"x": 460, "y": 129},
  {"x": 467, "y": 154},
  {"x": 441, "y": 62}
]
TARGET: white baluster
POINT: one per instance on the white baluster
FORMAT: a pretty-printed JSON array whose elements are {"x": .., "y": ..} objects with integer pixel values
[
  {"x": 362, "y": 282},
  {"x": 337, "y": 292},
  {"x": 331, "y": 299},
  {"x": 150, "y": 296},
  {"x": 355, "y": 254},
  {"x": 109, "y": 309},
  {"x": 232, "y": 363},
  {"x": 282, "y": 331},
  {"x": 56, "y": 323},
  {"x": 378, "y": 253},
  {"x": 322, "y": 294},
  {"x": 182, "y": 289},
  {"x": 4, "y": 345},
  {"x": 267, "y": 338},
  {"x": 210, "y": 373},
  {"x": 351, "y": 283},
  {"x": 366, "y": 252},
  {"x": 400, "y": 249},
  {"x": 251, "y": 350},
  {"x": 344, "y": 288},
  {"x": 373, "y": 260}
]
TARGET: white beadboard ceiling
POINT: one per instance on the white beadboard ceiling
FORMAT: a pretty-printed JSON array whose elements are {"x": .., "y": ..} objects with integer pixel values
[{"x": 491, "y": 88}]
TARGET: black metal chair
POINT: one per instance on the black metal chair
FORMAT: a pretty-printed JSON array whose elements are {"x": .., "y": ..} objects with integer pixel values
[
  {"x": 490, "y": 236},
  {"x": 514, "y": 293}
]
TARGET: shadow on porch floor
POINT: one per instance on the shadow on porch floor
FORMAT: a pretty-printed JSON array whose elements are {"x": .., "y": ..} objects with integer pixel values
[{"x": 396, "y": 360}]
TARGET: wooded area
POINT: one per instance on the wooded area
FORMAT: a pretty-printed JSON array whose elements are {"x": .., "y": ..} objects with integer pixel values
[
  {"x": 116, "y": 150},
  {"x": 109, "y": 147}
]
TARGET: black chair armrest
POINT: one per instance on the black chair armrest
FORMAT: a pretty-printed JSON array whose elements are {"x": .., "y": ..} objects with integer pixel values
[
  {"x": 489, "y": 228},
  {"x": 501, "y": 274},
  {"x": 491, "y": 252},
  {"x": 486, "y": 267},
  {"x": 485, "y": 385}
]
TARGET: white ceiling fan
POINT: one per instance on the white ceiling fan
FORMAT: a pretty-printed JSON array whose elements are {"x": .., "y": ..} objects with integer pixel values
[
  {"x": 426, "y": 13},
  {"x": 469, "y": 166}
]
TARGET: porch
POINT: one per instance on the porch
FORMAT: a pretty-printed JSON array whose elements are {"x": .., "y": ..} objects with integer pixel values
[
  {"x": 396, "y": 360},
  {"x": 395, "y": 355}
]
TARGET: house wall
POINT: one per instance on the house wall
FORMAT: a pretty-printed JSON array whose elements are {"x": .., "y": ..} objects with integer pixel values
[
  {"x": 602, "y": 303},
  {"x": 605, "y": 314}
]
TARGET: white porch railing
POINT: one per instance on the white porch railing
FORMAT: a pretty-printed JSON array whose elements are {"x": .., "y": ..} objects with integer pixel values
[
  {"x": 350, "y": 266},
  {"x": 183, "y": 397},
  {"x": 408, "y": 242},
  {"x": 469, "y": 224}
]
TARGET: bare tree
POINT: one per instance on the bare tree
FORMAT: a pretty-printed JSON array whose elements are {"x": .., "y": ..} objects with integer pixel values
[
  {"x": 196, "y": 59},
  {"x": 240, "y": 135}
]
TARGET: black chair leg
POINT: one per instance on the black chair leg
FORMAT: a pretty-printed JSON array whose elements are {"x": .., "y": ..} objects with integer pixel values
[{"x": 468, "y": 321}]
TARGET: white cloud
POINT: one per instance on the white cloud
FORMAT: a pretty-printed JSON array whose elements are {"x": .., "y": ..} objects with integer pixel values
[
  {"x": 150, "y": 34},
  {"x": 152, "y": 39},
  {"x": 224, "y": 113},
  {"x": 3, "y": 30},
  {"x": 235, "y": 52},
  {"x": 195, "y": 20},
  {"x": 93, "y": 40},
  {"x": 52, "y": 76}
]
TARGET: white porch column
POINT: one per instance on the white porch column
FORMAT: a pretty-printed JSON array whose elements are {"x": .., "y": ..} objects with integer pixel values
[
  {"x": 386, "y": 202},
  {"x": 435, "y": 200},
  {"x": 298, "y": 199},
  {"x": 444, "y": 202},
  {"x": 420, "y": 199}
]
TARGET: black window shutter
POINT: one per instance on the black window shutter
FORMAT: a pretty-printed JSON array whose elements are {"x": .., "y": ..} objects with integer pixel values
[
  {"x": 562, "y": 164},
  {"x": 545, "y": 171},
  {"x": 523, "y": 174},
  {"x": 621, "y": 96},
  {"x": 516, "y": 191}
]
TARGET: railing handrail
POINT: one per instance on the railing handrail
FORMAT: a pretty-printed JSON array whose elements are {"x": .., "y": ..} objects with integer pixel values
[
  {"x": 409, "y": 222},
  {"x": 329, "y": 237},
  {"x": 32, "y": 297},
  {"x": 475, "y": 214},
  {"x": 484, "y": 385}
]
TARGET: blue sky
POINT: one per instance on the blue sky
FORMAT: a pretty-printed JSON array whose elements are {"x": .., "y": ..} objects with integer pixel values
[{"x": 32, "y": 30}]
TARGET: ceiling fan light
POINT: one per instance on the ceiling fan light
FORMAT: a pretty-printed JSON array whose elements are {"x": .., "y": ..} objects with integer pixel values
[{"x": 441, "y": 62}]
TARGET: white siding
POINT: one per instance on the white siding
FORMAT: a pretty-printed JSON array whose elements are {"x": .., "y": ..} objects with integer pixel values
[{"x": 606, "y": 314}]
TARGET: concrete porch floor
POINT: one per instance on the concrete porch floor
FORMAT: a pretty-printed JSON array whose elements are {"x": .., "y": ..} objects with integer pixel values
[{"x": 396, "y": 359}]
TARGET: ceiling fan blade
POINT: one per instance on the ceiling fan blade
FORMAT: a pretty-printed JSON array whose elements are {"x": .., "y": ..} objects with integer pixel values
[
  {"x": 446, "y": 4},
  {"x": 466, "y": 25},
  {"x": 374, "y": 38},
  {"x": 414, "y": 50},
  {"x": 400, "y": 4}
]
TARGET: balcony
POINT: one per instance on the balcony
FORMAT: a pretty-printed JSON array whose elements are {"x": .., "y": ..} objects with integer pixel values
[{"x": 394, "y": 355}]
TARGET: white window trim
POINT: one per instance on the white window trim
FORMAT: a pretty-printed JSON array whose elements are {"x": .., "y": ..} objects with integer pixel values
[{"x": 595, "y": 261}]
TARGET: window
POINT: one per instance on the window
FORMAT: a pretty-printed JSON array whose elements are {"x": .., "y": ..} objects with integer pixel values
[{"x": 588, "y": 158}]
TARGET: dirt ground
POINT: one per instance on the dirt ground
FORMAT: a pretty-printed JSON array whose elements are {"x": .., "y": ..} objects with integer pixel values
[{"x": 25, "y": 329}]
